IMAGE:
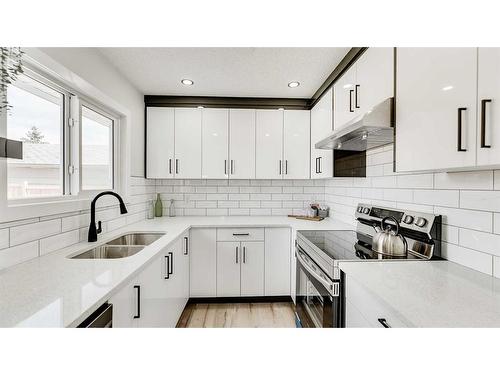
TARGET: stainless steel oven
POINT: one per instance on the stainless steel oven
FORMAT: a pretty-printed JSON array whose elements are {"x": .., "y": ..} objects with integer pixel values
[{"x": 317, "y": 295}]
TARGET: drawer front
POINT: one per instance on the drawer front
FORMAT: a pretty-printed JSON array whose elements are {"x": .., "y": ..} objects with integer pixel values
[
  {"x": 240, "y": 234},
  {"x": 375, "y": 312}
]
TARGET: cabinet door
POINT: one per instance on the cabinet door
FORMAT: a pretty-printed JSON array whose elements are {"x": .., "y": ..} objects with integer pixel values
[
  {"x": 159, "y": 142},
  {"x": 203, "y": 263},
  {"x": 297, "y": 144},
  {"x": 278, "y": 254},
  {"x": 488, "y": 118},
  {"x": 187, "y": 143},
  {"x": 345, "y": 108},
  {"x": 125, "y": 306},
  {"x": 374, "y": 78},
  {"x": 242, "y": 143},
  {"x": 321, "y": 126},
  {"x": 176, "y": 283},
  {"x": 153, "y": 295},
  {"x": 215, "y": 143},
  {"x": 269, "y": 144},
  {"x": 436, "y": 98},
  {"x": 228, "y": 269},
  {"x": 252, "y": 268}
]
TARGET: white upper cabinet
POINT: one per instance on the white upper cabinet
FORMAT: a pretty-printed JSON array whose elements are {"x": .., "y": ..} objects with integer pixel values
[
  {"x": 321, "y": 126},
  {"x": 296, "y": 144},
  {"x": 374, "y": 78},
  {"x": 345, "y": 105},
  {"x": 269, "y": 144},
  {"x": 368, "y": 82},
  {"x": 160, "y": 142},
  {"x": 436, "y": 108},
  {"x": 187, "y": 143},
  {"x": 241, "y": 143},
  {"x": 215, "y": 127},
  {"x": 488, "y": 138}
]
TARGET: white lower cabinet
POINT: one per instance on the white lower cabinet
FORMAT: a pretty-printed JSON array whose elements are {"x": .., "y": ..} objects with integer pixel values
[
  {"x": 158, "y": 295},
  {"x": 365, "y": 310},
  {"x": 203, "y": 262},
  {"x": 252, "y": 269},
  {"x": 228, "y": 269},
  {"x": 277, "y": 260}
]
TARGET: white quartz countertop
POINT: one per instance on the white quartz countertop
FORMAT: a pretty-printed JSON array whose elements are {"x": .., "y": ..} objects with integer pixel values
[
  {"x": 55, "y": 291},
  {"x": 432, "y": 294}
]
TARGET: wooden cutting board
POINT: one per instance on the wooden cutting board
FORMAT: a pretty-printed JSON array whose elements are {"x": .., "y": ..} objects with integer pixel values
[{"x": 310, "y": 218}]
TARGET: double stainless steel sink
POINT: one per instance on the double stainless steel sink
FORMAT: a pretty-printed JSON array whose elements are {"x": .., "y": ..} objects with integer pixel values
[{"x": 120, "y": 247}]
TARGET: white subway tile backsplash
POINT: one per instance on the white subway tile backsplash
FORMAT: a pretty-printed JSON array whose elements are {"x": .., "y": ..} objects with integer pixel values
[
  {"x": 479, "y": 180},
  {"x": 239, "y": 211},
  {"x": 496, "y": 222},
  {"x": 447, "y": 198},
  {"x": 473, "y": 259},
  {"x": 75, "y": 222},
  {"x": 18, "y": 254},
  {"x": 496, "y": 183},
  {"x": 480, "y": 200},
  {"x": 4, "y": 238},
  {"x": 478, "y": 220},
  {"x": 30, "y": 232},
  {"x": 450, "y": 234},
  {"x": 59, "y": 241},
  {"x": 416, "y": 181},
  {"x": 482, "y": 241},
  {"x": 217, "y": 212}
]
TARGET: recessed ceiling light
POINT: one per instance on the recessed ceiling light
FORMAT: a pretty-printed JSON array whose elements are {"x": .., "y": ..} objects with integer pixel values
[
  {"x": 281, "y": 109},
  {"x": 200, "y": 107},
  {"x": 187, "y": 82},
  {"x": 294, "y": 84},
  {"x": 447, "y": 88}
]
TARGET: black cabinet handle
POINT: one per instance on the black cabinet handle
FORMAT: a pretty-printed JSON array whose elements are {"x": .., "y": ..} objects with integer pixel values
[
  {"x": 232, "y": 166},
  {"x": 186, "y": 248},
  {"x": 167, "y": 267},
  {"x": 350, "y": 100},
  {"x": 225, "y": 166},
  {"x": 319, "y": 164},
  {"x": 244, "y": 254},
  {"x": 241, "y": 234},
  {"x": 236, "y": 254},
  {"x": 317, "y": 170},
  {"x": 171, "y": 263},
  {"x": 286, "y": 166},
  {"x": 356, "y": 96},
  {"x": 169, "y": 166},
  {"x": 384, "y": 323},
  {"x": 483, "y": 123},
  {"x": 176, "y": 166},
  {"x": 280, "y": 166},
  {"x": 459, "y": 136},
  {"x": 138, "y": 314}
]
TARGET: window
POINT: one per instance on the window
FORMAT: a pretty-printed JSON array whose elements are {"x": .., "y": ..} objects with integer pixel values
[
  {"x": 36, "y": 119},
  {"x": 97, "y": 150},
  {"x": 61, "y": 155}
]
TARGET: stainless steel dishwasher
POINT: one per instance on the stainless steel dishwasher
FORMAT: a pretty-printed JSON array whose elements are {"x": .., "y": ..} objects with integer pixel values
[{"x": 101, "y": 318}]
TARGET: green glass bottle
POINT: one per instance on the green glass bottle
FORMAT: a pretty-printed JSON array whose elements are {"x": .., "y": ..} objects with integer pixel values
[{"x": 158, "y": 206}]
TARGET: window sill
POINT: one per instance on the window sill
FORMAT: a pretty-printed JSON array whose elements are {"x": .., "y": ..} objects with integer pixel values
[{"x": 19, "y": 210}]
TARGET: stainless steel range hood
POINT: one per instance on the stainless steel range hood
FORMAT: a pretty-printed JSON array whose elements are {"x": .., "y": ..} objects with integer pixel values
[{"x": 372, "y": 129}]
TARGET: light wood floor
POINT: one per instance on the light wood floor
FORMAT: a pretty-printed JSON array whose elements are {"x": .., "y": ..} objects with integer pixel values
[{"x": 238, "y": 315}]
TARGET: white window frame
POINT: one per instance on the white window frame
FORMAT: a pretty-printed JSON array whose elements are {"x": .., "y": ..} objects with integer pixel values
[
  {"x": 74, "y": 199},
  {"x": 115, "y": 137}
]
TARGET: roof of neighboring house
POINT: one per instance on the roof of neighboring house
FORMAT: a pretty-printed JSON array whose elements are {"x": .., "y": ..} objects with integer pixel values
[{"x": 44, "y": 153}]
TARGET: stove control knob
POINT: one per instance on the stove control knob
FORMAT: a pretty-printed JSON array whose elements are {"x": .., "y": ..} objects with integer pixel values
[
  {"x": 366, "y": 210},
  {"x": 420, "y": 222},
  {"x": 408, "y": 219},
  {"x": 360, "y": 209}
]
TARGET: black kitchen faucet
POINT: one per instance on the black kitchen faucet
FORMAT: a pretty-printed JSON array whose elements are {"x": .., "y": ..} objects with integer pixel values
[{"x": 93, "y": 231}]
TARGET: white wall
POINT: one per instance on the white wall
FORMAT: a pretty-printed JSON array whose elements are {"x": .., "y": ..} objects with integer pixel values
[
  {"x": 89, "y": 64},
  {"x": 468, "y": 201}
]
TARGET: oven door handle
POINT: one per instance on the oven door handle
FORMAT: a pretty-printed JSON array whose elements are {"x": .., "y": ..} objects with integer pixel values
[{"x": 330, "y": 286}]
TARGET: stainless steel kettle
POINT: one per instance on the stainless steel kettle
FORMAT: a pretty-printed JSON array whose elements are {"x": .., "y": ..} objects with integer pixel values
[{"x": 388, "y": 242}]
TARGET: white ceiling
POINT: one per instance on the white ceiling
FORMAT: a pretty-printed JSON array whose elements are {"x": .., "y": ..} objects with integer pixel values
[{"x": 247, "y": 72}]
